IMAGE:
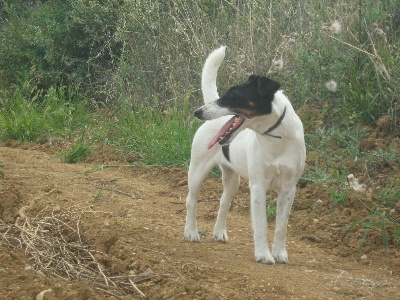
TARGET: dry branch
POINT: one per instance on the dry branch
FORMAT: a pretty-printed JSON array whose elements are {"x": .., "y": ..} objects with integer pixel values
[
  {"x": 52, "y": 241},
  {"x": 102, "y": 186}
]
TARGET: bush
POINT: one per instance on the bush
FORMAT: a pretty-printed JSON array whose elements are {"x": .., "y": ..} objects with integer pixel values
[{"x": 52, "y": 42}]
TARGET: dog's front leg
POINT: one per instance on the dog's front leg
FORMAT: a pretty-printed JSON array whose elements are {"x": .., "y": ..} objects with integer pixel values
[{"x": 258, "y": 191}]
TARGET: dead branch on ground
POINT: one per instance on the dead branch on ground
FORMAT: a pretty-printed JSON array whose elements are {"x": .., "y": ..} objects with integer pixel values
[{"x": 52, "y": 241}]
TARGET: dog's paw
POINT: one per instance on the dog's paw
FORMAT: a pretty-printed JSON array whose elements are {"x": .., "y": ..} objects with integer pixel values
[
  {"x": 192, "y": 235},
  {"x": 280, "y": 256},
  {"x": 265, "y": 258},
  {"x": 221, "y": 235}
]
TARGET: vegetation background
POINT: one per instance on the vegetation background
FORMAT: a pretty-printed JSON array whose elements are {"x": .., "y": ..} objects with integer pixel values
[{"x": 126, "y": 74}]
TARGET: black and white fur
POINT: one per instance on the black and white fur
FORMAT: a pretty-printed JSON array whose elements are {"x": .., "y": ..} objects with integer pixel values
[{"x": 264, "y": 144}]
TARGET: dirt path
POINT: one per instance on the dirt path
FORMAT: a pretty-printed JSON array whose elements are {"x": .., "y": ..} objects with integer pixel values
[{"x": 136, "y": 222}]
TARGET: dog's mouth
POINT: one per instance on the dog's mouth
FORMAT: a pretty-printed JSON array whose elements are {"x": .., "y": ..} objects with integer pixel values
[{"x": 226, "y": 131}]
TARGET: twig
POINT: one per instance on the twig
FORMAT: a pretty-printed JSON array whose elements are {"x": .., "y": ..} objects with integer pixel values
[
  {"x": 339, "y": 276},
  {"x": 136, "y": 289},
  {"x": 351, "y": 46},
  {"x": 108, "y": 292},
  {"x": 100, "y": 270},
  {"x": 116, "y": 191},
  {"x": 201, "y": 200}
]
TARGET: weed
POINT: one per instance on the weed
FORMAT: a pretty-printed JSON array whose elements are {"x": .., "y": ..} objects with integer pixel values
[
  {"x": 338, "y": 196},
  {"x": 384, "y": 232},
  {"x": 396, "y": 236},
  {"x": 381, "y": 158},
  {"x": 377, "y": 222},
  {"x": 271, "y": 212},
  {"x": 76, "y": 153},
  {"x": 389, "y": 194},
  {"x": 99, "y": 196}
]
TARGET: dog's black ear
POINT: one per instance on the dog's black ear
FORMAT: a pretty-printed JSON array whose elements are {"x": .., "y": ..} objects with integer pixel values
[
  {"x": 252, "y": 77},
  {"x": 267, "y": 86}
]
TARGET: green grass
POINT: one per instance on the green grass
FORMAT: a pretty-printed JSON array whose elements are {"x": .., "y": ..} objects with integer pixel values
[
  {"x": 77, "y": 152},
  {"x": 160, "y": 137},
  {"x": 35, "y": 116}
]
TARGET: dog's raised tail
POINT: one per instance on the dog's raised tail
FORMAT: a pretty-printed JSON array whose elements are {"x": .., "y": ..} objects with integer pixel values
[{"x": 209, "y": 75}]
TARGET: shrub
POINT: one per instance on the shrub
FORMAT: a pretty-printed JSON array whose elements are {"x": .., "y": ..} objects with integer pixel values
[
  {"x": 152, "y": 51},
  {"x": 56, "y": 41}
]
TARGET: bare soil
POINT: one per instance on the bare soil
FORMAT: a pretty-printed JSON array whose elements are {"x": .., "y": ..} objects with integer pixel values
[{"x": 134, "y": 218}]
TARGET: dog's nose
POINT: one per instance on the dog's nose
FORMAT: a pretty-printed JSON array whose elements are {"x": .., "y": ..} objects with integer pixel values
[{"x": 198, "y": 113}]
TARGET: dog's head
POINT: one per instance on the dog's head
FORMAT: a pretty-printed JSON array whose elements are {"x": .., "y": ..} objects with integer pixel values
[{"x": 245, "y": 101}]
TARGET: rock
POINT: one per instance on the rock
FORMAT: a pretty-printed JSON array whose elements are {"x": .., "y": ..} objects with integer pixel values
[
  {"x": 40, "y": 296},
  {"x": 355, "y": 185},
  {"x": 312, "y": 238},
  {"x": 56, "y": 208}
]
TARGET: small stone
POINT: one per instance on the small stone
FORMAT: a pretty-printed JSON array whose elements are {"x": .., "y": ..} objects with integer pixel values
[
  {"x": 312, "y": 238},
  {"x": 315, "y": 220},
  {"x": 364, "y": 257},
  {"x": 40, "y": 296},
  {"x": 319, "y": 202},
  {"x": 28, "y": 267}
]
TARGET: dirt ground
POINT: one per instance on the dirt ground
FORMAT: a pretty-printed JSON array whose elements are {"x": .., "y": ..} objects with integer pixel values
[{"x": 132, "y": 217}]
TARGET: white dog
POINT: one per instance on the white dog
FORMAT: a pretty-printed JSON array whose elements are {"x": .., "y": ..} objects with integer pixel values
[{"x": 263, "y": 142}]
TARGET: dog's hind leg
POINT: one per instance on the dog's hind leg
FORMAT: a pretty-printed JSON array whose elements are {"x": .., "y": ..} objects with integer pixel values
[
  {"x": 284, "y": 205},
  {"x": 231, "y": 181},
  {"x": 196, "y": 175}
]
